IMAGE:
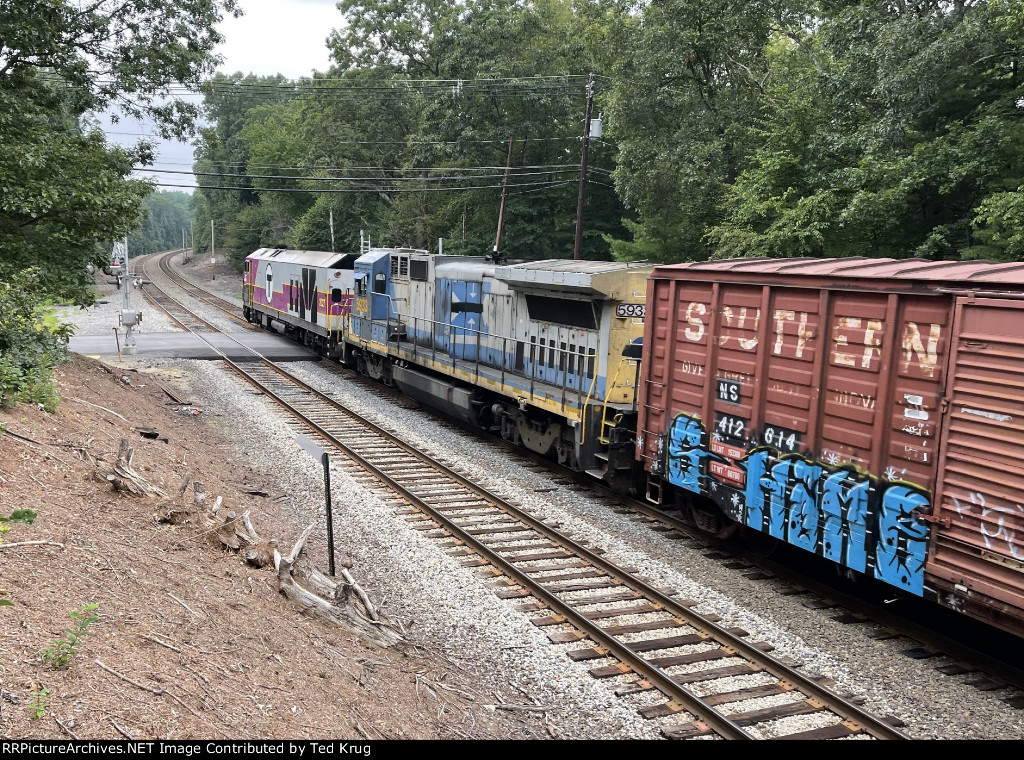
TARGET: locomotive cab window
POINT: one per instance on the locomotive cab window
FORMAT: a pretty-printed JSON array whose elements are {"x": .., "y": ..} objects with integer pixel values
[
  {"x": 380, "y": 282},
  {"x": 361, "y": 285},
  {"x": 335, "y": 295}
]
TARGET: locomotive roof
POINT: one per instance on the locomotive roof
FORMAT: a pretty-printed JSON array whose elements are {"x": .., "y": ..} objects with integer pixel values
[
  {"x": 309, "y": 258},
  {"x": 572, "y": 274},
  {"x": 856, "y": 267}
]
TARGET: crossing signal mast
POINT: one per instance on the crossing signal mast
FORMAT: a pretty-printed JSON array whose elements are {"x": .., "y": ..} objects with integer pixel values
[{"x": 128, "y": 318}]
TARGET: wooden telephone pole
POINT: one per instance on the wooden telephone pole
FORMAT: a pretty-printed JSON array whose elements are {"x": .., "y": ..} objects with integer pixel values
[{"x": 578, "y": 248}]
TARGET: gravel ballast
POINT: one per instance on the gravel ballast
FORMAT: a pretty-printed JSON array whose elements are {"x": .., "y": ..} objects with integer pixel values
[{"x": 447, "y": 608}]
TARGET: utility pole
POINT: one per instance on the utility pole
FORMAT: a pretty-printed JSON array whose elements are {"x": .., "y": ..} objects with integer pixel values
[
  {"x": 213, "y": 254},
  {"x": 331, "y": 217},
  {"x": 577, "y": 249},
  {"x": 191, "y": 239},
  {"x": 501, "y": 209}
]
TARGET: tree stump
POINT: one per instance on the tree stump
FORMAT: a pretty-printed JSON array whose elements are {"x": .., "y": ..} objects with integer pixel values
[{"x": 338, "y": 604}]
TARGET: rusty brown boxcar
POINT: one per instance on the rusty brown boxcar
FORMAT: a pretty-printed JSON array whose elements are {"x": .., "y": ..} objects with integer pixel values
[{"x": 868, "y": 410}]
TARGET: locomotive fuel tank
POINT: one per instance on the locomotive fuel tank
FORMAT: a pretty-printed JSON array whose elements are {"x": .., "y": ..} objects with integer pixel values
[{"x": 867, "y": 410}]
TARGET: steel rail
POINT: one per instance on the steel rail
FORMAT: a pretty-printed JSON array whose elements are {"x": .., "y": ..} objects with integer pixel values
[
  {"x": 681, "y": 697},
  {"x": 677, "y": 692}
]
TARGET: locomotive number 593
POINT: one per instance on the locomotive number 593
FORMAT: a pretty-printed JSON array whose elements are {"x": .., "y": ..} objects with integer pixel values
[{"x": 630, "y": 310}]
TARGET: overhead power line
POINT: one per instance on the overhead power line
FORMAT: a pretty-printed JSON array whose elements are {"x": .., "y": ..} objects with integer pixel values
[
  {"x": 388, "y": 178},
  {"x": 538, "y": 185}
]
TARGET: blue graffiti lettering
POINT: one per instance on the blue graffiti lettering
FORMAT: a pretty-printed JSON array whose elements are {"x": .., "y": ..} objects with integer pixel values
[
  {"x": 901, "y": 549},
  {"x": 844, "y": 506},
  {"x": 756, "y": 494},
  {"x": 804, "y": 516},
  {"x": 684, "y": 453},
  {"x": 863, "y": 522}
]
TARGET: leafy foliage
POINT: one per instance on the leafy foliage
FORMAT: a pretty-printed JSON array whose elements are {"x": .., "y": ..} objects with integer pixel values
[
  {"x": 425, "y": 96},
  {"x": 30, "y": 344},
  {"x": 892, "y": 130},
  {"x": 26, "y": 516},
  {"x": 62, "y": 650},
  {"x": 64, "y": 191},
  {"x": 39, "y": 702},
  {"x": 166, "y": 216}
]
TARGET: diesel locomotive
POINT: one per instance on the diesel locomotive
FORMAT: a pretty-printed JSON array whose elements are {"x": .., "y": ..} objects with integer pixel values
[{"x": 546, "y": 353}]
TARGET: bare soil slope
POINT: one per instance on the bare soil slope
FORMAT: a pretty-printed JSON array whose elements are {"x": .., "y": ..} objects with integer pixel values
[{"x": 190, "y": 642}]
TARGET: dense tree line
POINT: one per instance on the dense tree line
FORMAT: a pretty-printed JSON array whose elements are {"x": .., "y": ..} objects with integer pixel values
[
  {"x": 166, "y": 215},
  {"x": 778, "y": 128},
  {"x": 784, "y": 128}
]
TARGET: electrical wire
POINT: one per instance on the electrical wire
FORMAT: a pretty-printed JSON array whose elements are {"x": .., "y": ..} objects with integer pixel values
[
  {"x": 543, "y": 185},
  {"x": 355, "y": 179}
]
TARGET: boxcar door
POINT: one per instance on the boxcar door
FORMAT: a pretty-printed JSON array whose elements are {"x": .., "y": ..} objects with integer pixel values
[{"x": 982, "y": 455}]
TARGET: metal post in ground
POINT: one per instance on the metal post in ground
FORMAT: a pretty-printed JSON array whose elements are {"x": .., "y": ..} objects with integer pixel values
[{"x": 326, "y": 459}]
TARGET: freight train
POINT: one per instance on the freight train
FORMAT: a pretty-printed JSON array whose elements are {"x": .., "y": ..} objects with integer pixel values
[
  {"x": 544, "y": 353},
  {"x": 869, "y": 411}
]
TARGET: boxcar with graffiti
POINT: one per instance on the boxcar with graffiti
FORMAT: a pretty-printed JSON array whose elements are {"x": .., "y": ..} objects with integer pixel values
[{"x": 868, "y": 410}]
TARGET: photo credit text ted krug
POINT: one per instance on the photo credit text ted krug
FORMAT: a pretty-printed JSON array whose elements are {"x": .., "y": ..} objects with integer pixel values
[{"x": 277, "y": 749}]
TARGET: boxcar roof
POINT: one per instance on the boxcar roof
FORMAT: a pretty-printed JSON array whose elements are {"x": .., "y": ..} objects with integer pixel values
[{"x": 859, "y": 267}]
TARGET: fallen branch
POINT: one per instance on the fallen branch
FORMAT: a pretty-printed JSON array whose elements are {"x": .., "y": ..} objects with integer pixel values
[
  {"x": 522, "y": 708},
  {"x": 67, "y": 730},
  {"x": 21, "y": 438},
  {"x": 31, "y": 543},
  {"x": 157, "y": 692},
  {"x": 121, "y": 731},
  {"x": 153, "y": 637},
  {"x": 89, "y": 403},
  {"x": 184, "y": 605}
]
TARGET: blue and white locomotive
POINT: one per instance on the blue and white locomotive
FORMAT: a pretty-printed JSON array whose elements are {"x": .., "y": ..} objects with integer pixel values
[{"x": 544, "y": 352}]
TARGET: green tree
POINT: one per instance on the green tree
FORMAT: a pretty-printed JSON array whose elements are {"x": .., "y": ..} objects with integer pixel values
[
  {"x": 64, "y": 191},
  {"x": 893, "y": 130},
  {"x": 166, "y": 215},
  {"x": 222, "y": 161},
  {"x": 689, "y": 89}
]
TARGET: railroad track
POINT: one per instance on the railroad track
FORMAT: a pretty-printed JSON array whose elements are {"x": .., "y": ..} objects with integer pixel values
[
  {"x": 626, "y": 629},
  {"x": 571, "y": 589},
  {"x": 880, "y": 622},
  {"x": 199, "y": 293},
  {"x": 181, "y": 316}
]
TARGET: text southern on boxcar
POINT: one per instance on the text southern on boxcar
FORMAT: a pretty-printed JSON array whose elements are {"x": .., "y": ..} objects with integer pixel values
[
  {"x": 869, "y": 411},
  {"x": 546, "y": 353}
]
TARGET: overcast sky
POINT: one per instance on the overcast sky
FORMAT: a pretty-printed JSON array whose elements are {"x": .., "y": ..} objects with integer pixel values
[{"x": 273, "y": 37}]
